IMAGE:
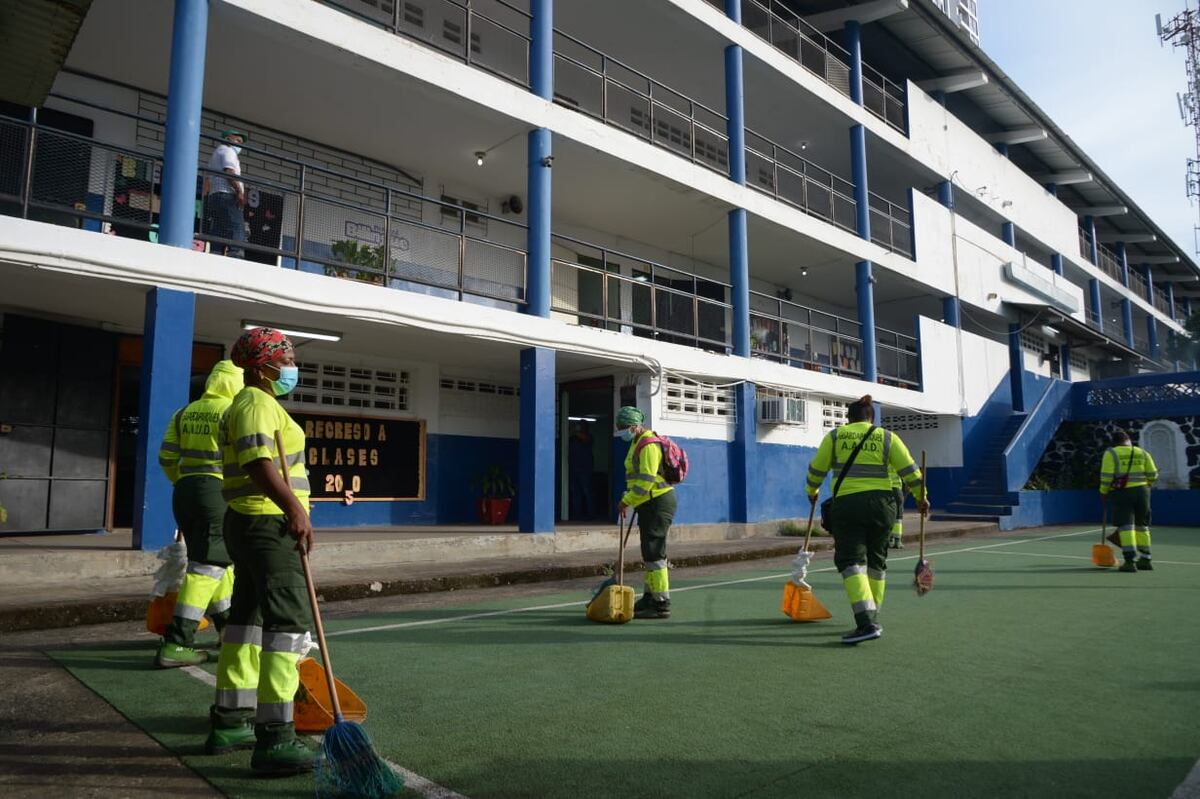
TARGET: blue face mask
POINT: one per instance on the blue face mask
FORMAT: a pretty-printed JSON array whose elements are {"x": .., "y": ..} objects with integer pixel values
[
  {"x": 626, "y": 434},
  {"x": 289, "y": 376}
]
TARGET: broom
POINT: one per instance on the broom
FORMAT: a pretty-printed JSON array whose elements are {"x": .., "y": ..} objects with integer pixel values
[
  {"x": 923, "y": 573},
  {"x": 1102, "y": 554},
  {"x": 349, "y": 766},
  {"x": 618, "y": 576}
]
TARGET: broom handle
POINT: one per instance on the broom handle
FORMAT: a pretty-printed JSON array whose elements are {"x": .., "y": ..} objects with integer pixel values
[
  {"x": 312, "y": 594},
  {"x": 924, "y": 496},
  {"x": 625, "y": 533},
  {"x": 1104, "y": 520},
  {"x": 812, "y": 511}
]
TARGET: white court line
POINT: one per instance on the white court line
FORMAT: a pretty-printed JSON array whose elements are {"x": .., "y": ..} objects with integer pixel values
[
  {"x": 1081, "y": 557},
  {"x": 559, "y": 605},
  {"x": 412, "y": 780}
]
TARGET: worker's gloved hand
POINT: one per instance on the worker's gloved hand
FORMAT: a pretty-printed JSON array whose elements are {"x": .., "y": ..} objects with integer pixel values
[{"x": 800, "y": 569}]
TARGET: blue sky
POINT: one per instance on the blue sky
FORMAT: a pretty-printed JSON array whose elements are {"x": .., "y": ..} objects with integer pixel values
[{"x": 1102, "y": 76}]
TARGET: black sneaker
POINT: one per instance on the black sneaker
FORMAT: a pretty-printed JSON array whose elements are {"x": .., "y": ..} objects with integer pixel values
[
  {"x": 868, "y": 632},
  {"x": 650, "y": 608},
  {"x": 1128, "y": 566},
  {"x": 1144, "y": 565}
]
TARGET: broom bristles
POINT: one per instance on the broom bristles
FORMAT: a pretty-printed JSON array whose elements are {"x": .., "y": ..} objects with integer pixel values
[
  {"x": 923, "y": 578},
  {"x": 349, "y": 766}
]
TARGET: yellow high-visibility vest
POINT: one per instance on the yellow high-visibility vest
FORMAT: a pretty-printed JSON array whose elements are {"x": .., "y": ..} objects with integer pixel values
[
  {"x": 249, "y": 435},
  {"x": 884, "y": 452},
  {"x": 191, "y": 443},
  {"x": 1116, "y": 461}
]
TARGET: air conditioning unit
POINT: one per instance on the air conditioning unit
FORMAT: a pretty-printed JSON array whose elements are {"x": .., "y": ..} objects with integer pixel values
[{"x": 781, "y": 410}]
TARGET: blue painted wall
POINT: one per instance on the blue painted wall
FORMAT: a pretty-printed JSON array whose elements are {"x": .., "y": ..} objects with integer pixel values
[
  {"x": 1037, "y": 508},
  {"x": 452, "y": 463},
  {"x": 781, "y": 478}
]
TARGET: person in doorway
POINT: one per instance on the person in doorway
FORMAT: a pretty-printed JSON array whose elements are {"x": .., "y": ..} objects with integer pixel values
[
  {"x": 1126, "y": 474},
  {"x": 191, "y": 456},
  {"x": 579, "y": 472},
  {"x": 897, "y": 538},
  {"x": 647, "y": 493},
  {"x": 864, "y": 509},
  {"x": 266, "y": 528},
  {"x": 225, "y": 197}
]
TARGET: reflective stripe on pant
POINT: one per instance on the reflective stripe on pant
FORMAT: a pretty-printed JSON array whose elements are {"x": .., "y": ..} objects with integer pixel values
[
  {"x": 654, "y": 521},
  {"x": 1131, "y": 515},
  {"x": 860, "y": 550},
  {"x": 199, "y": 513},
  {"x": 268, "y": 618},
  {"x": 222, "y": 598}
]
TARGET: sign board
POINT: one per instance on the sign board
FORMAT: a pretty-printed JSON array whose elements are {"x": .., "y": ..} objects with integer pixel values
[{"x": 376, "y": 459}]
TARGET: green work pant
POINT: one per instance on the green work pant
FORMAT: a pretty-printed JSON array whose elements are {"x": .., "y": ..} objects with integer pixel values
[
  {"x": 654, "y": 520},
  {"x": 860, "y": 547},
  {"x": 256, "y": 670},
  {"x": 208, "y": 584},
  {"x": 1131, "y": 516},
  {"x": 898, "y": 525}
]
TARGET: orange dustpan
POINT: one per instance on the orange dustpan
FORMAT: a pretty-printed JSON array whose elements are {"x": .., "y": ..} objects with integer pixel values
[
  {"x": 313, "y": 711},
  {"x": 799, "y": 601},
  {"x": 1102, "y": 554},
  {"x": 160, "y": 612}
]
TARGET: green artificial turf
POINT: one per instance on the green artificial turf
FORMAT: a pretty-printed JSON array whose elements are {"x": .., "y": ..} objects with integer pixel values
[{"x": 1025, "y": 673}]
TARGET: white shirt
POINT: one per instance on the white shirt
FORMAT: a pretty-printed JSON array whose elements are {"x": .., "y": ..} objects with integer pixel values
[{"x": 223, "y": 158}]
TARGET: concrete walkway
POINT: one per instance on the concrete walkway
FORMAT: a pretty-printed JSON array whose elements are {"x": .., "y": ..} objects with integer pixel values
[{"x": 48, "y": 582}]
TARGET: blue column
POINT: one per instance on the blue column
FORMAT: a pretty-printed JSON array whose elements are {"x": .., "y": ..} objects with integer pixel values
[
  {"x": 863, "y": 279},
  {"x": 1096, "y": 311},
  {"x": 1064, "y": 362},
  {"x": 541, "y": 48},
  {"x": 1170, "y": 288},
  {"x": 1148, "y": 273},
  {"x": 166, "y": 372},
  {"x": 1052, "y": 188},
  {"x": 1123, "y": 257},
  {"x": 1008, "y": 232},
  {"x": 1152, "y": 334},
  {"x": 1056, "y": 262},
  {"x": 946, "y": 194},
  {"x": 1016, "y": 367},
  {"x": 1089, "y": 224},
  {"x": 735, "y": 113},
  {"x": 537, "y": 265},
  {"x": 743, "y": 466},
  {"x": 535, "y": 470},
  {"x": 1187, "y": 307},
  {"x": 950, "y": 311},
  {"x": 1002, "y": 148},
  {"x": 181, "y": 153},
  {"x": 733, "y": 10},
  {"x": 854, "y": 48},
  {"x": 739, "y": 280},
  {"x": 1127, "y": 320}
]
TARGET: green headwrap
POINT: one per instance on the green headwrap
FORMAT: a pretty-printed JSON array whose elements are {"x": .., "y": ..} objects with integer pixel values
[{"x": 628, "y": 416}]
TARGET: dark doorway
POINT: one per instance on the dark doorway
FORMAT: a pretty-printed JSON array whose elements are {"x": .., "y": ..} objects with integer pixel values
[{"x": 585, "y": 429}]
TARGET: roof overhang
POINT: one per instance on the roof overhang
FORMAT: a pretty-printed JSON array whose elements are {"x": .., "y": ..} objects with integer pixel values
[
  {"x": 35, "y": 37},
  {"x": 1077, "y": 333}
]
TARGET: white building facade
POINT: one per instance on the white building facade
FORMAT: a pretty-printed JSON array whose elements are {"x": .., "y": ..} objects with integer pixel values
[{"x": 490, "y": 224}]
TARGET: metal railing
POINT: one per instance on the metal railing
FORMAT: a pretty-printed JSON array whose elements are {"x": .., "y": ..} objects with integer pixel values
[
  {"x": 891, "y": 225},
  {"x": 1085, "y": 246},
  {"x": 600, "y": 86},
  {"x": 1138, "y": 282},
  {"x": 1110, "y": 264},
  {"x": 1141, "y": 344},
  {"x": 1179, "y": 315},
  {"x": 807, "y": 338},
  {"x": 793, "y": 36},
  {"x": 624, "y": 293},
  {"x": 1161, "y": 302},
  {"x": 489, "y": 34},
  {"x": 311, "y": 218}
]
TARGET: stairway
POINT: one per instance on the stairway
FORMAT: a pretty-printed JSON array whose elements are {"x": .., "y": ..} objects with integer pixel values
[{"x": 985, "y": 497}]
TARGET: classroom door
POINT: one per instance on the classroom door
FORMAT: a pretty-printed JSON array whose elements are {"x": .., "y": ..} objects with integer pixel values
[{"x": 585, "y": 436}]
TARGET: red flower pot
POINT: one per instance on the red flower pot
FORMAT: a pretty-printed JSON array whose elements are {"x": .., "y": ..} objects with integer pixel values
[{"x": 493, "y": 510}]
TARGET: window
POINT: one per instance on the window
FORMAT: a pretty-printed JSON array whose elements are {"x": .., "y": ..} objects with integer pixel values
[
  {"x": 1033, "y": 344},
  {"x": 361, "y": 387},
  {"x": 833, "y": 413},
  {"x": 698, "y": 402},
  {"x": 451, "y": 215},
  {"x": 911, "y": 421},
  {"x": 414, "y": 15},
  {"x": 474, "y": 397},
  {"x": 1079, "y": 362}
]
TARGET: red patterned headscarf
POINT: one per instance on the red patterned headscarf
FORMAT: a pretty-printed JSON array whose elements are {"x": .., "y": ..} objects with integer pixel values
[{"x": 260, "y": 346}]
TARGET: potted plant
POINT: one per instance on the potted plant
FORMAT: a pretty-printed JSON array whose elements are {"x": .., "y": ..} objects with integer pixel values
[
  {"x": 496, "y": 492},
  {"x": 352, "y": 252}
]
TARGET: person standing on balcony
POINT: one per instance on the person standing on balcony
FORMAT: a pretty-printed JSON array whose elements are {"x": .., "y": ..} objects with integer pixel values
[
  {"x": 648, "y": 493},
  {"x": 864, "y": 507},
  {"x": 1126, "y": 474},
  {"x": 266, "y": 528},
  {"x": 191, "y": 456},
  {"x": 224, "y": 197}
]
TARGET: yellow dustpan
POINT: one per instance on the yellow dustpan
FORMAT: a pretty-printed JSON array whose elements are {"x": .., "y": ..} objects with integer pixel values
[
  {"x": 799, "y": 602},
  {"x": 1102, "y": 554}
]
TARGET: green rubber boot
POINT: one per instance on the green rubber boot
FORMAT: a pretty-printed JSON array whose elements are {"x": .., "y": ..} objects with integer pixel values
[
  {"x": 286, "y": 757},
  {"x": 223, "y": 740},
  {"x": 173, "y": 656},
  {"x": 1144, "y": 565},
  {"x": 1127, "y": 566}
]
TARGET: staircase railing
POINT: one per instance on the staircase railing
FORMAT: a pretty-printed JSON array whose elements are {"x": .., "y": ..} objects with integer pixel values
[{"x": 1024, "y": 452}]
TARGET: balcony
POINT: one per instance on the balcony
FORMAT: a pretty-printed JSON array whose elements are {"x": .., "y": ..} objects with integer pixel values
[
  {"x": 489, "y": 34},
  {"x": 807, "y": 338},
  {"x": 1161, "y": 302},
  {"x": 791, "y": 35},
  {"x": 1110, "y": 264}
]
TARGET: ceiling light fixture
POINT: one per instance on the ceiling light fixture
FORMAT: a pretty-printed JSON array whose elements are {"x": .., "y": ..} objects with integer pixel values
[
  {"x": 804, "y": 271},
  {"x": 479, "y": 156},
  {"x": 318, "y": 335}
]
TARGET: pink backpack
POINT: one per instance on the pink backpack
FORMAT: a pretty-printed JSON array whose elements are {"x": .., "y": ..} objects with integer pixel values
[{"x": 674, "y": 462}]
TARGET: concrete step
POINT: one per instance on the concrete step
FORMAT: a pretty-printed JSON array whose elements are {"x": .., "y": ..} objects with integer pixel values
[{"x": 982, "y": 509}]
